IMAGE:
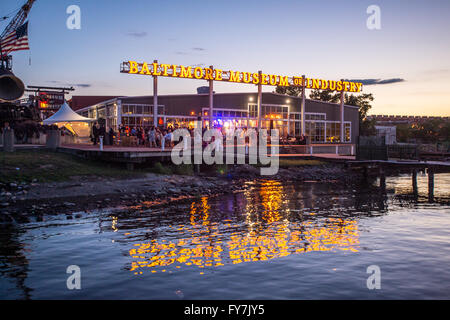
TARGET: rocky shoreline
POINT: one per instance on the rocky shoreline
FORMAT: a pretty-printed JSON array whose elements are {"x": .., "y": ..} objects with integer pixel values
[{"x": 20, "y": 201}]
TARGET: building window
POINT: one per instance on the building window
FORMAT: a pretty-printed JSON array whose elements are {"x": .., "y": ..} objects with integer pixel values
[
  {"x": 347, "y": 130},
  {"x": 333, "y": 131},
  {"x": 315, "y": 116}
]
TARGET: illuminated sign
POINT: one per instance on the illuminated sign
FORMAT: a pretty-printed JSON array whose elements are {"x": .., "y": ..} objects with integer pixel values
[
  {"x": 256, "y": 78},
  {"x": 50, "y": 99}
]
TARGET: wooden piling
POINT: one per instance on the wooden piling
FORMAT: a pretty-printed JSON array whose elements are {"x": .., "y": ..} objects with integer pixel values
[
  {"x": 430, "y": 184},
  {"x": 382, "y": 178},
  {"x": 414, "y": 182}
]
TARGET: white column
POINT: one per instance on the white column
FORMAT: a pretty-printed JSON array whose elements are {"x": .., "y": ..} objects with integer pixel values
[
  {"x": 119, "y": 113},
  {"x": 155, "y": 98},
  {"x": 259, "y": 100},
  {"x": 341, "y": 111},
  {"x": 289, "y": 119},
  {"x": 303, "y": 104},
  {"x": 211, "y": 100}
]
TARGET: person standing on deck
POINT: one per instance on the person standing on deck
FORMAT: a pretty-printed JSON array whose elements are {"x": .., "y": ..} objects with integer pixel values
[
  {"x": 111, "y": 134},
  {"x": 95, "y": 133},
  {"x": 152, "y": 137}
]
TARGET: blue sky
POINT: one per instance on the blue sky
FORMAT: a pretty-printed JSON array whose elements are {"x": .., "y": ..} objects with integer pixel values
[{"x": 322, "y": 39}]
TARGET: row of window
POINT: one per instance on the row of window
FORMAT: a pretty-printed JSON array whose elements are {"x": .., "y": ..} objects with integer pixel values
[
  {"x": 308, "y": 116},
  {"x": 277, "y": 112},
  {"x": 230, "y": 114},
  {"x": 323, "y": 131},
  {"x": 318, "y": 132},
  {"x": 137, "y": 121},
  {"x": 140, "y": 109}
]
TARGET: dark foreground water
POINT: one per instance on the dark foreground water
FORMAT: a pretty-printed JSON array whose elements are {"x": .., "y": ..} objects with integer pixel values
[{"x": 272, "y": 241}]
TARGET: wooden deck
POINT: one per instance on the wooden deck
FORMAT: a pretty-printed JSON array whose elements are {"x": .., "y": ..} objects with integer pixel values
[{"x": 141, "y": 153}]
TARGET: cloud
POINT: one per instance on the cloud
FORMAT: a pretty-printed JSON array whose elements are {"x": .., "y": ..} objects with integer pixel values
[
  {"x": 370, "y": 82},
  {"x": 197, "y": 49},
  {"x": 199, "y": 65},
  {"x": 137, "y": 34},
  {"x": 80, "y": 85}
]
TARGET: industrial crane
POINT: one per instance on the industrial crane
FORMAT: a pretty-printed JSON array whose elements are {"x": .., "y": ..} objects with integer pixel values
[{"x": 11, "y": 87}]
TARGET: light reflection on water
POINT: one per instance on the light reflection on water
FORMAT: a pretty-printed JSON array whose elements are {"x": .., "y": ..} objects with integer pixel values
[
  {"x": 275, "y": 230},
  {"x": 203, "y": 243}
]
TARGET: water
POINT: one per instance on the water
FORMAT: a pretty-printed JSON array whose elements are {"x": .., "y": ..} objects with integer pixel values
[{"x": 274, "y": 240}]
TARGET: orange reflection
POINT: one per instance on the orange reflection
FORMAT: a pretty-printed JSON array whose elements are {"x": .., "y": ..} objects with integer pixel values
[{"x": 204, "y": 243}]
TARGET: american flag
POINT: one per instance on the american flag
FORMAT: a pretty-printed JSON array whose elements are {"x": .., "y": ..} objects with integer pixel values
[{"x": 16, "y": 40}]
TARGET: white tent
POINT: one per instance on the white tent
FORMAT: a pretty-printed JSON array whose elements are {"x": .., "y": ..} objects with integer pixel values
[
  {"x": 78, "y": 125},
  {"x": 66, "y": 114}
]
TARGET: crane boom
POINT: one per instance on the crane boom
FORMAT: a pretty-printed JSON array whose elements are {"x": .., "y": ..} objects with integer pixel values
[{"x": 18, "y": 19}]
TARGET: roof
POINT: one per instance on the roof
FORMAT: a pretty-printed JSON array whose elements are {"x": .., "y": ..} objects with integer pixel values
[
  {"x": 66, "y": 114},
  {"x": 80, "y": 102},
  {"x": 95, "y": 100}
]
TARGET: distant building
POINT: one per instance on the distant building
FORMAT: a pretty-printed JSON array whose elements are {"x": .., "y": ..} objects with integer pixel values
[
  {"x": 388, "y": 132},
  {"x": 389, "y": 120}
]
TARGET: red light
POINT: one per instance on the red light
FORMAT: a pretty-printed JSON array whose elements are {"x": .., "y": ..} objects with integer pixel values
[{"x": 43, "y": 97}]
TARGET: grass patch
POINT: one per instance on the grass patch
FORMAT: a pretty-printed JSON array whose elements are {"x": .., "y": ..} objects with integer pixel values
[
  {"x": 301, "y": 162},
  {"x": 47, "y": 166},
  {"x": 160, "y": 169},
  {"x": 184, "y": 169}
]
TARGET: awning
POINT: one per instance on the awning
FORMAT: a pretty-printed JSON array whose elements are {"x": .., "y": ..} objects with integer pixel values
[{"x": 66, "y": 114}]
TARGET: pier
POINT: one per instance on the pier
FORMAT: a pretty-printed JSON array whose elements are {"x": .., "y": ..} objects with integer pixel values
[{"x": 381, "y": 168}]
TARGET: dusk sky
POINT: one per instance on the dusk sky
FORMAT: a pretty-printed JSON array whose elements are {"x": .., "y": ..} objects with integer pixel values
[{"x": 321, "y": 39}]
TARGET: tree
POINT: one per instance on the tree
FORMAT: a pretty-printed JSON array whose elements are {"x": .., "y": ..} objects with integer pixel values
[
  {"x": 290, "y": 91},
  {"x": 362, "y": 101},
  {"x": 325, "y": 95}
]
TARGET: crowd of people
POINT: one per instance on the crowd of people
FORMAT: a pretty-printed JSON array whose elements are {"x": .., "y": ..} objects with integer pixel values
[
  {"x": 153, "y": 137},
  {"x": 161, "y": 137}
]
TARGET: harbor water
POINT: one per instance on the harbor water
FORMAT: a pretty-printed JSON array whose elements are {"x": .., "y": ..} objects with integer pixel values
[{"x": 270, "y": 240}]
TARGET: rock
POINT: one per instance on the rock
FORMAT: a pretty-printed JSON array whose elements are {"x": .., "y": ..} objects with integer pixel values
[
  {"x": 197, "y": 184},
  {"x": 69, "y": 204}
]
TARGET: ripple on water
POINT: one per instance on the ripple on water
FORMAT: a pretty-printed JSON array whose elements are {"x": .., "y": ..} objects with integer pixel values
[{"x": 275, "y": 240}]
